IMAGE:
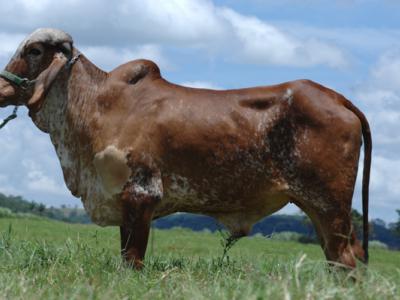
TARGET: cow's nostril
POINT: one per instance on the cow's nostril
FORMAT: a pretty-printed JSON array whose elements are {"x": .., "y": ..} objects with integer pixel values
[{"x": 6, "y": 91}]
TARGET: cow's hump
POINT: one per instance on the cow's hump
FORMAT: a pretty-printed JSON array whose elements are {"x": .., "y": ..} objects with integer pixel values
[{"x": 135, "y": 71}]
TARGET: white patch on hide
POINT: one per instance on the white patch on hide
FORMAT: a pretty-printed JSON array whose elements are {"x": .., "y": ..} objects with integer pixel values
[
  {"x": 104, "y": 210},
  {"x": 180, "y": 192},
  {"x": 180, "y": 186},
  {"x": 111, "y": 166},
  {"x": 182, "y": 195},
  {"x": 288, "y": 96},
  {"x": 154, "y": 187}
]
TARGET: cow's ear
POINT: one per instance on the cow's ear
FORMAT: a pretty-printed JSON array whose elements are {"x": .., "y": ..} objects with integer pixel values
[{"x": 45, "y": 80}]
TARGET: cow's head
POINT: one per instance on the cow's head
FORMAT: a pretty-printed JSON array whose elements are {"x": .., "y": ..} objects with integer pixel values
[{"x": 34, "y": 67}]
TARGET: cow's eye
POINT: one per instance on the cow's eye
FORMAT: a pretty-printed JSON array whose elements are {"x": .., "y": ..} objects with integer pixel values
[{"x": 34, "y": 52}]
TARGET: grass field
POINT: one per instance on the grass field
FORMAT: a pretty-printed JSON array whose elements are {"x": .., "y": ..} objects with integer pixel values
[{"x": 42, "y": 259}]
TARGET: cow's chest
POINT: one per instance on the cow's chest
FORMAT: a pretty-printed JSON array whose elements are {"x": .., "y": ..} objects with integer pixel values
[{"x": 97, "y": 179}]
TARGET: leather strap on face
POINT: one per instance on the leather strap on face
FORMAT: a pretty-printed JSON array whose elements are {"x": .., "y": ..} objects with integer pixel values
[{"x": 24, "y": 83}]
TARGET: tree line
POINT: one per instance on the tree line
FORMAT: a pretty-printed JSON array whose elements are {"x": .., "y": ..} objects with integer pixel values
[{"x": 18, "y": 204}]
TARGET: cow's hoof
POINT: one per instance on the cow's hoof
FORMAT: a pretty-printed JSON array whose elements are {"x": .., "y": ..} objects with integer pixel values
[
  {"x": 134, "y": 264},
  {"x": 138, "y": 265}
]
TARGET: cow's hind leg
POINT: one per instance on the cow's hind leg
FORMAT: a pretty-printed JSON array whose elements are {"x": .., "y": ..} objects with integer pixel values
[{"x": 336, "y": 234}]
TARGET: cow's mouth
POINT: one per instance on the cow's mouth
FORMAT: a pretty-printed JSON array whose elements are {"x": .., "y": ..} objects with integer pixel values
[
  {"x": 7, "y": 92},
  {"x": 3, "y": 102}
]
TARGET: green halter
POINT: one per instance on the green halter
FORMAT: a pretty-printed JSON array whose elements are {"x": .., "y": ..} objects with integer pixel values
[{"x": 24, "y": 83}]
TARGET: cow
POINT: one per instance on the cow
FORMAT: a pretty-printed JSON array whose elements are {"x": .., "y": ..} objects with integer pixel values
[{"x": 135, "y": 147}]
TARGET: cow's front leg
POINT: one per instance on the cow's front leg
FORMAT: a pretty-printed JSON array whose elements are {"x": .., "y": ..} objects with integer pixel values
[
  {"x": 139, "y": 200},
  {"x": 135, "y": 232}
]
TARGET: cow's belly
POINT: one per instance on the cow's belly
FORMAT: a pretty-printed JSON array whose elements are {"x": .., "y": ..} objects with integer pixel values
[{"x": 234, "y": 206}]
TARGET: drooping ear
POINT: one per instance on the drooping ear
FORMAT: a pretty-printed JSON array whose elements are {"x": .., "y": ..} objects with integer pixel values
[{"x": 45, "y": 80}]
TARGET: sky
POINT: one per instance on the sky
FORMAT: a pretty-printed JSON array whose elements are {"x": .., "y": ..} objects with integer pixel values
[{"x": 351, "y": 46}]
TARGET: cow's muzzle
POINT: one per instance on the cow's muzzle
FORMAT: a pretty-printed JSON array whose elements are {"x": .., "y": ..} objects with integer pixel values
[{"x": 7, "y": 93}]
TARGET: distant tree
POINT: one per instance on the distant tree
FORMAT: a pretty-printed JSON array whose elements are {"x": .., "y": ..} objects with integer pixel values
[
  {"x": 357, "y": 221},
  {"x": 32, "y": 206},
  {"x": 379, "y": 222},
  {"x": 41, "y": 208},
  {"x": 395, "y": 227},
  {"x": 308, "y": 224}
]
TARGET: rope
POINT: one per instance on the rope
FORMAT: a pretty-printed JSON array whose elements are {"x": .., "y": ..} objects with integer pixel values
[{"x": 10, "y": 117}]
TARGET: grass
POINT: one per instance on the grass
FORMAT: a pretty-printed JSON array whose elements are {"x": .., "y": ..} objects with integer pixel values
[{"x": 42, "y": 259}]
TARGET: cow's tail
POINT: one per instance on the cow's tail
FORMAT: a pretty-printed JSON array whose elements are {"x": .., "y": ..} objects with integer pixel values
[{"x": 366, "y": 132}]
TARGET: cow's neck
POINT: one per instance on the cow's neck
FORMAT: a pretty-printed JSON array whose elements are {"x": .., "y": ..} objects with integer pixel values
[
  {"x": 85, "y": 83},
  {"x": 67, "y": 114},
  {"x": 70, "y": 96}
]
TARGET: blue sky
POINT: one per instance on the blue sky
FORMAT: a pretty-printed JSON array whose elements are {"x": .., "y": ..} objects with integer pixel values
[{"x": 350, "y": 46}]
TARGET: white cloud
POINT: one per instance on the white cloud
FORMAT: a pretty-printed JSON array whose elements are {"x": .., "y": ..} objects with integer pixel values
[
  {"x": 8, "y": 44},
  {"x": 380, "y": 95},
  {"x": 6, "y": 187},
  {"x": 386, "y": 73},
  {"x": 34, "y": 5},
  {"x": 263, "y": 43},
  {"x": 179, "y": 21},
  {"x": 201, "y": 85},
  {"x": 381, "y": 180},
  {"x": 385, "y": 188},
  {"x": 193, "y": 23},
  {"x": 36, "y": 180},
  {"x": 366, "y": 40},
  {"x": 109, "y": 57},
  {"x": 29, "y": 166}
]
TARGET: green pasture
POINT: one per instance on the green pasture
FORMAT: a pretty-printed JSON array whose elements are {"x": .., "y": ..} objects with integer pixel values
[{"x": 43, "y": 259}]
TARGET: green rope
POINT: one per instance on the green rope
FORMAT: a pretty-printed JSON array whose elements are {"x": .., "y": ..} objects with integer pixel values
[
  {"x": 24, "y": 83},
  {"x": 9, "y": 118}
]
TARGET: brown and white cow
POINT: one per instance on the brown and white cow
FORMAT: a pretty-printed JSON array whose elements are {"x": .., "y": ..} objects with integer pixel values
[{"x": 135, "y": 147}]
